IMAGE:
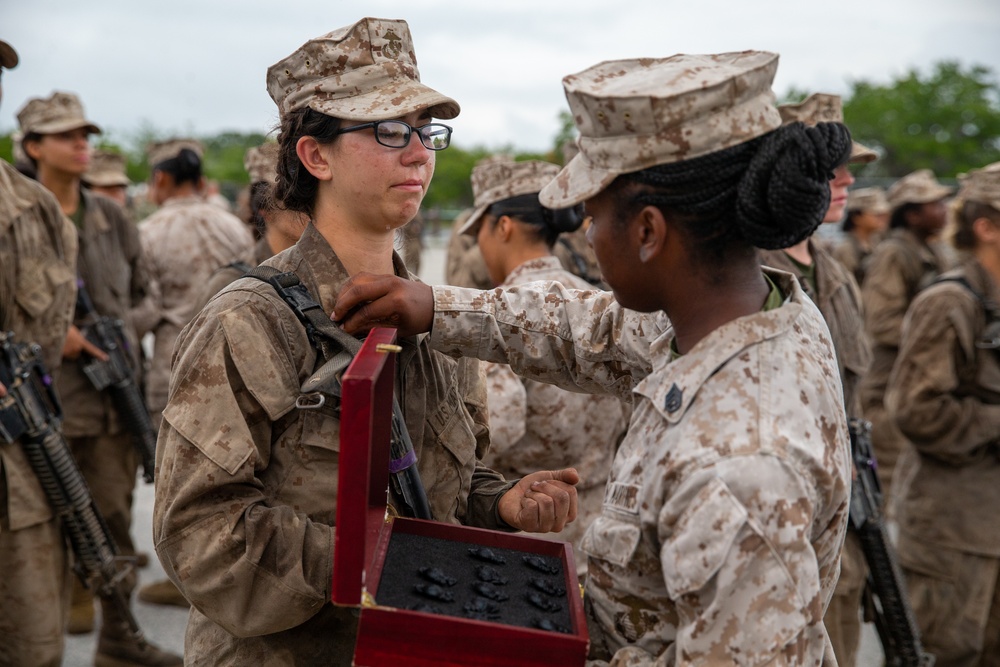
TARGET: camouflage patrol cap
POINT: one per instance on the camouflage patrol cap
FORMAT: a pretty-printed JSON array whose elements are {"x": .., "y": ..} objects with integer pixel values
[
  {"x": 635, "y": 114},
  {"x": 161, "y": 151},
  {"x": 261, "y": 162},
  {"x": 106, "y": 170},
  {"x": 8, "y": 56},
  {"x": 824, "y": 108},
  {"x": 868, "y": 200},
  {"x": 982, "y": 186},
  {"x": 503, "y": 179},
  {"x": 60, "y": 112},
  {"x": 362, "y": 72},
  {"x": 918, "y": 187}
]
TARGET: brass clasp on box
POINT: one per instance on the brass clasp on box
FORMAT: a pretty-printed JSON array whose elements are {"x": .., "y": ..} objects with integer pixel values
[{"x": 388, "y": 347}]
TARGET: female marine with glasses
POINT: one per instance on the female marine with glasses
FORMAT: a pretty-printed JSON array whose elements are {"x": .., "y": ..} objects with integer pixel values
[{"x": 246, "y": 497}]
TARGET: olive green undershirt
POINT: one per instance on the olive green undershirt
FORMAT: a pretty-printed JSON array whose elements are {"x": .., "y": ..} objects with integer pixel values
[{"x": 808, "y": 272}]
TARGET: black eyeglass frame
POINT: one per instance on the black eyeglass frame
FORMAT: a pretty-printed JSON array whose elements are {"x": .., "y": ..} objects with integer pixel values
[{"x": 419, "y": 131}]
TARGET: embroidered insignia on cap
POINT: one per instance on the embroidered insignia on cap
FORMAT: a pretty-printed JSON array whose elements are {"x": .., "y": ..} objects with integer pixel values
[{"x": 393, "y": 46}]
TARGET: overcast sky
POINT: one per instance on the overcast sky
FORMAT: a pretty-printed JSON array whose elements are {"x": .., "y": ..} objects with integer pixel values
[{"x": 197, "y": 67}]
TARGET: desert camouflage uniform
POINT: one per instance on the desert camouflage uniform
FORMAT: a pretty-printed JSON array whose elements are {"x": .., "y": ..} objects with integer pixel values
[
  {"x": 246, "y": 495},
  {"x": 727, "y": 503},
  {"x": 38, "y": 248},
  {"x": 185, "y": 242},
  {"x": 853, "y": 256},
  {"x": 464, "y": 263},
  {"x": 577, "y": 257},
  {"x": 536, "y": 426},
  {"x": 413, "y": 244},
  {"x": 944, "y": 394},
  {"x": 112, "y": 269},
  {"x": 901, "y": 266},
  {"x": 222, "y": 277},
  {"x": 839, "y": 301}
]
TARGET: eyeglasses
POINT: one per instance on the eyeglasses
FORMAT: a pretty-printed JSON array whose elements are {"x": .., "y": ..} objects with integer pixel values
[{"x": 396, "y": 133}]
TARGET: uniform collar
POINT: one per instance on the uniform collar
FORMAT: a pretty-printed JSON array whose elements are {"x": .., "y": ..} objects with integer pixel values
[
  {"x": 522, "y": 274},
  {"x": 673, "y": 385},
  {"x": 16, "y": 194}
]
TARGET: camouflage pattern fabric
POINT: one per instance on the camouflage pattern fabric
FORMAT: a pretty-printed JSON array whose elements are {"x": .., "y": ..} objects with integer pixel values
[
  {"x": 726, "y": 508},
  {"x": 184, "y": 242},
  {"x": 901, "y": 266},
  {"x": 38, "y": 249},
  {"x": 225, "y": 275},
  {"x": 364, "y": 72},
  {"x": 944, "y": 394},
  {"x": 537, "y": 426},
  {"x": 853, "y": 256},
  {"x": 918, "y": 187},
  {"x": 59, "y": 112},
  {"x": 247, "y": 484}
]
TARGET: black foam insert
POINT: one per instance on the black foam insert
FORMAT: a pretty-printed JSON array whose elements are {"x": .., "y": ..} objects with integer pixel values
[{"x": 527, "y": 589}]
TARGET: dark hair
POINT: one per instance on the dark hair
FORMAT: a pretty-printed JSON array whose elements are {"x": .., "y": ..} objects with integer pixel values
[
  {"x": 29, "y": 165},
  {"x": 770, "y": 192},
  {"x": 970, "y": 211},
  {"x": 185, "y": 167},
  {"x": 848, "y": 224},
  {"x": 261, "y": 200},
  {"x": 296, "y": 187},
  {"x": 547, "y": 224},
  {"x": 901, "y": 213}
]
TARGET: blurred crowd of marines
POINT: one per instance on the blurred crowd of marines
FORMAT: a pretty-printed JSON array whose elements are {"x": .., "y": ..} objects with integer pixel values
[{"x": 910, "y": 291}]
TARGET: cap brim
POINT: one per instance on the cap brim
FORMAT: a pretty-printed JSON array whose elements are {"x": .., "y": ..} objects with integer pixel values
[
  {"x": 64, "y": 126},
  {"x": 861, "y": 154},
  {"x": 389, "y": 102},
  {"x": 8, "y": 56},
  {"x": 577, "y": 182},
  {"x": 471, "y": 226}
]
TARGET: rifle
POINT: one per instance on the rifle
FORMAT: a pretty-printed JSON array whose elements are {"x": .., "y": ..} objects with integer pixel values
[
  {"x": 116, "y": 376},
  {"x": 894, "y": 620},
  {"x": 30, "y": 414}
]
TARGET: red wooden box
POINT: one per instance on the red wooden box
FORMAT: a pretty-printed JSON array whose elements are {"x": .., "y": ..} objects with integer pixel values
[{"x": 389, "y": 636}]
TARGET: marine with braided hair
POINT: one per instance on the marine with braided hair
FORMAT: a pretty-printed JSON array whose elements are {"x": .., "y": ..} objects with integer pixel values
[{"x": 725, "y": 511}]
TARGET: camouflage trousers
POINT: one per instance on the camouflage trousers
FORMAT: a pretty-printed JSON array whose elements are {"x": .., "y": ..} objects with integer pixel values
[
  {"x": 109, "y": 464},
  {"x": 956, "y": 599},
  {"x": 843, "y": 616},
  {"x": 34, "y": 591}
]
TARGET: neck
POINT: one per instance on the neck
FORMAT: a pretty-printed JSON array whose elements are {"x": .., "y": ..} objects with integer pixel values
[
  {"x": 65, "y": 187},
  {"x": 277, "y": 240},
  {"x": 700, "y": 306},
  {"x": 800, "y": 252},
  {"x": 186, "y": 189},
  {"x": 358, "y": 247}
]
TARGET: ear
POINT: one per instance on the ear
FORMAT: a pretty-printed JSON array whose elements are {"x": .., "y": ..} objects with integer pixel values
[
  {"x": 312, "y": 157},
  {"x": 650, "y": 229},
  {"x": 985, "y": 230},
  {"x": 32, "y": 149},
  {"x": 504, "y": 228}
]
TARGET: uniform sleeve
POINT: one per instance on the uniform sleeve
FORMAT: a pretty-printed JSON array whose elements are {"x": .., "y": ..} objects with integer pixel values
[
  {"x": 922, "y": 395},
  {"x": 148, "y": 313},
  {"x": 579, "y": 340},
  {"x": 250, "y": 566},
  {"x": 508, "y": 411},
  {"x": 885, "y": 297}
]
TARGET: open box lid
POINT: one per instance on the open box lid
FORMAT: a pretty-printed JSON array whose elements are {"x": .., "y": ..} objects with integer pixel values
[{"x": 363, "y": 476}]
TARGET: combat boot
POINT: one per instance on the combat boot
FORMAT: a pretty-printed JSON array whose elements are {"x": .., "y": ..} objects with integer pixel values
[
  {"x": 117, "y": 648},
  {"x": 81, "y": 610},
  {"x": 163, "y": 592}
]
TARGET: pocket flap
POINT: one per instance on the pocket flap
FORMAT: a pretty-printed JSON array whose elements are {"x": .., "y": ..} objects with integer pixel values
[{"x": 611, "y": 539}]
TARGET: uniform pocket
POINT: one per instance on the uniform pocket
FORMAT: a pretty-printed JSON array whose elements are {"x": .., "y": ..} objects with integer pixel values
[
  {"x": 38, "y": 282},
  {"x": 446, "y": 469},
  {"x": 702, "y": 539},
  {"x": 611, "y": 539}
]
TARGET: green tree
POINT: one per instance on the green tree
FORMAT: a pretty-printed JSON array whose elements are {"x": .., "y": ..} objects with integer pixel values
[{"x": 947, "y": 120}]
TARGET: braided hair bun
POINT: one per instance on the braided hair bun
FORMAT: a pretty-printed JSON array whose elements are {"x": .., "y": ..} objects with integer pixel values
[{"x": 785, "y": 190}]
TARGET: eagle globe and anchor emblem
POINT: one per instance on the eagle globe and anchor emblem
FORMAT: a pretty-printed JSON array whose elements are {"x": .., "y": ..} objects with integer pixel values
[{"x": 393, "y": 46}]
